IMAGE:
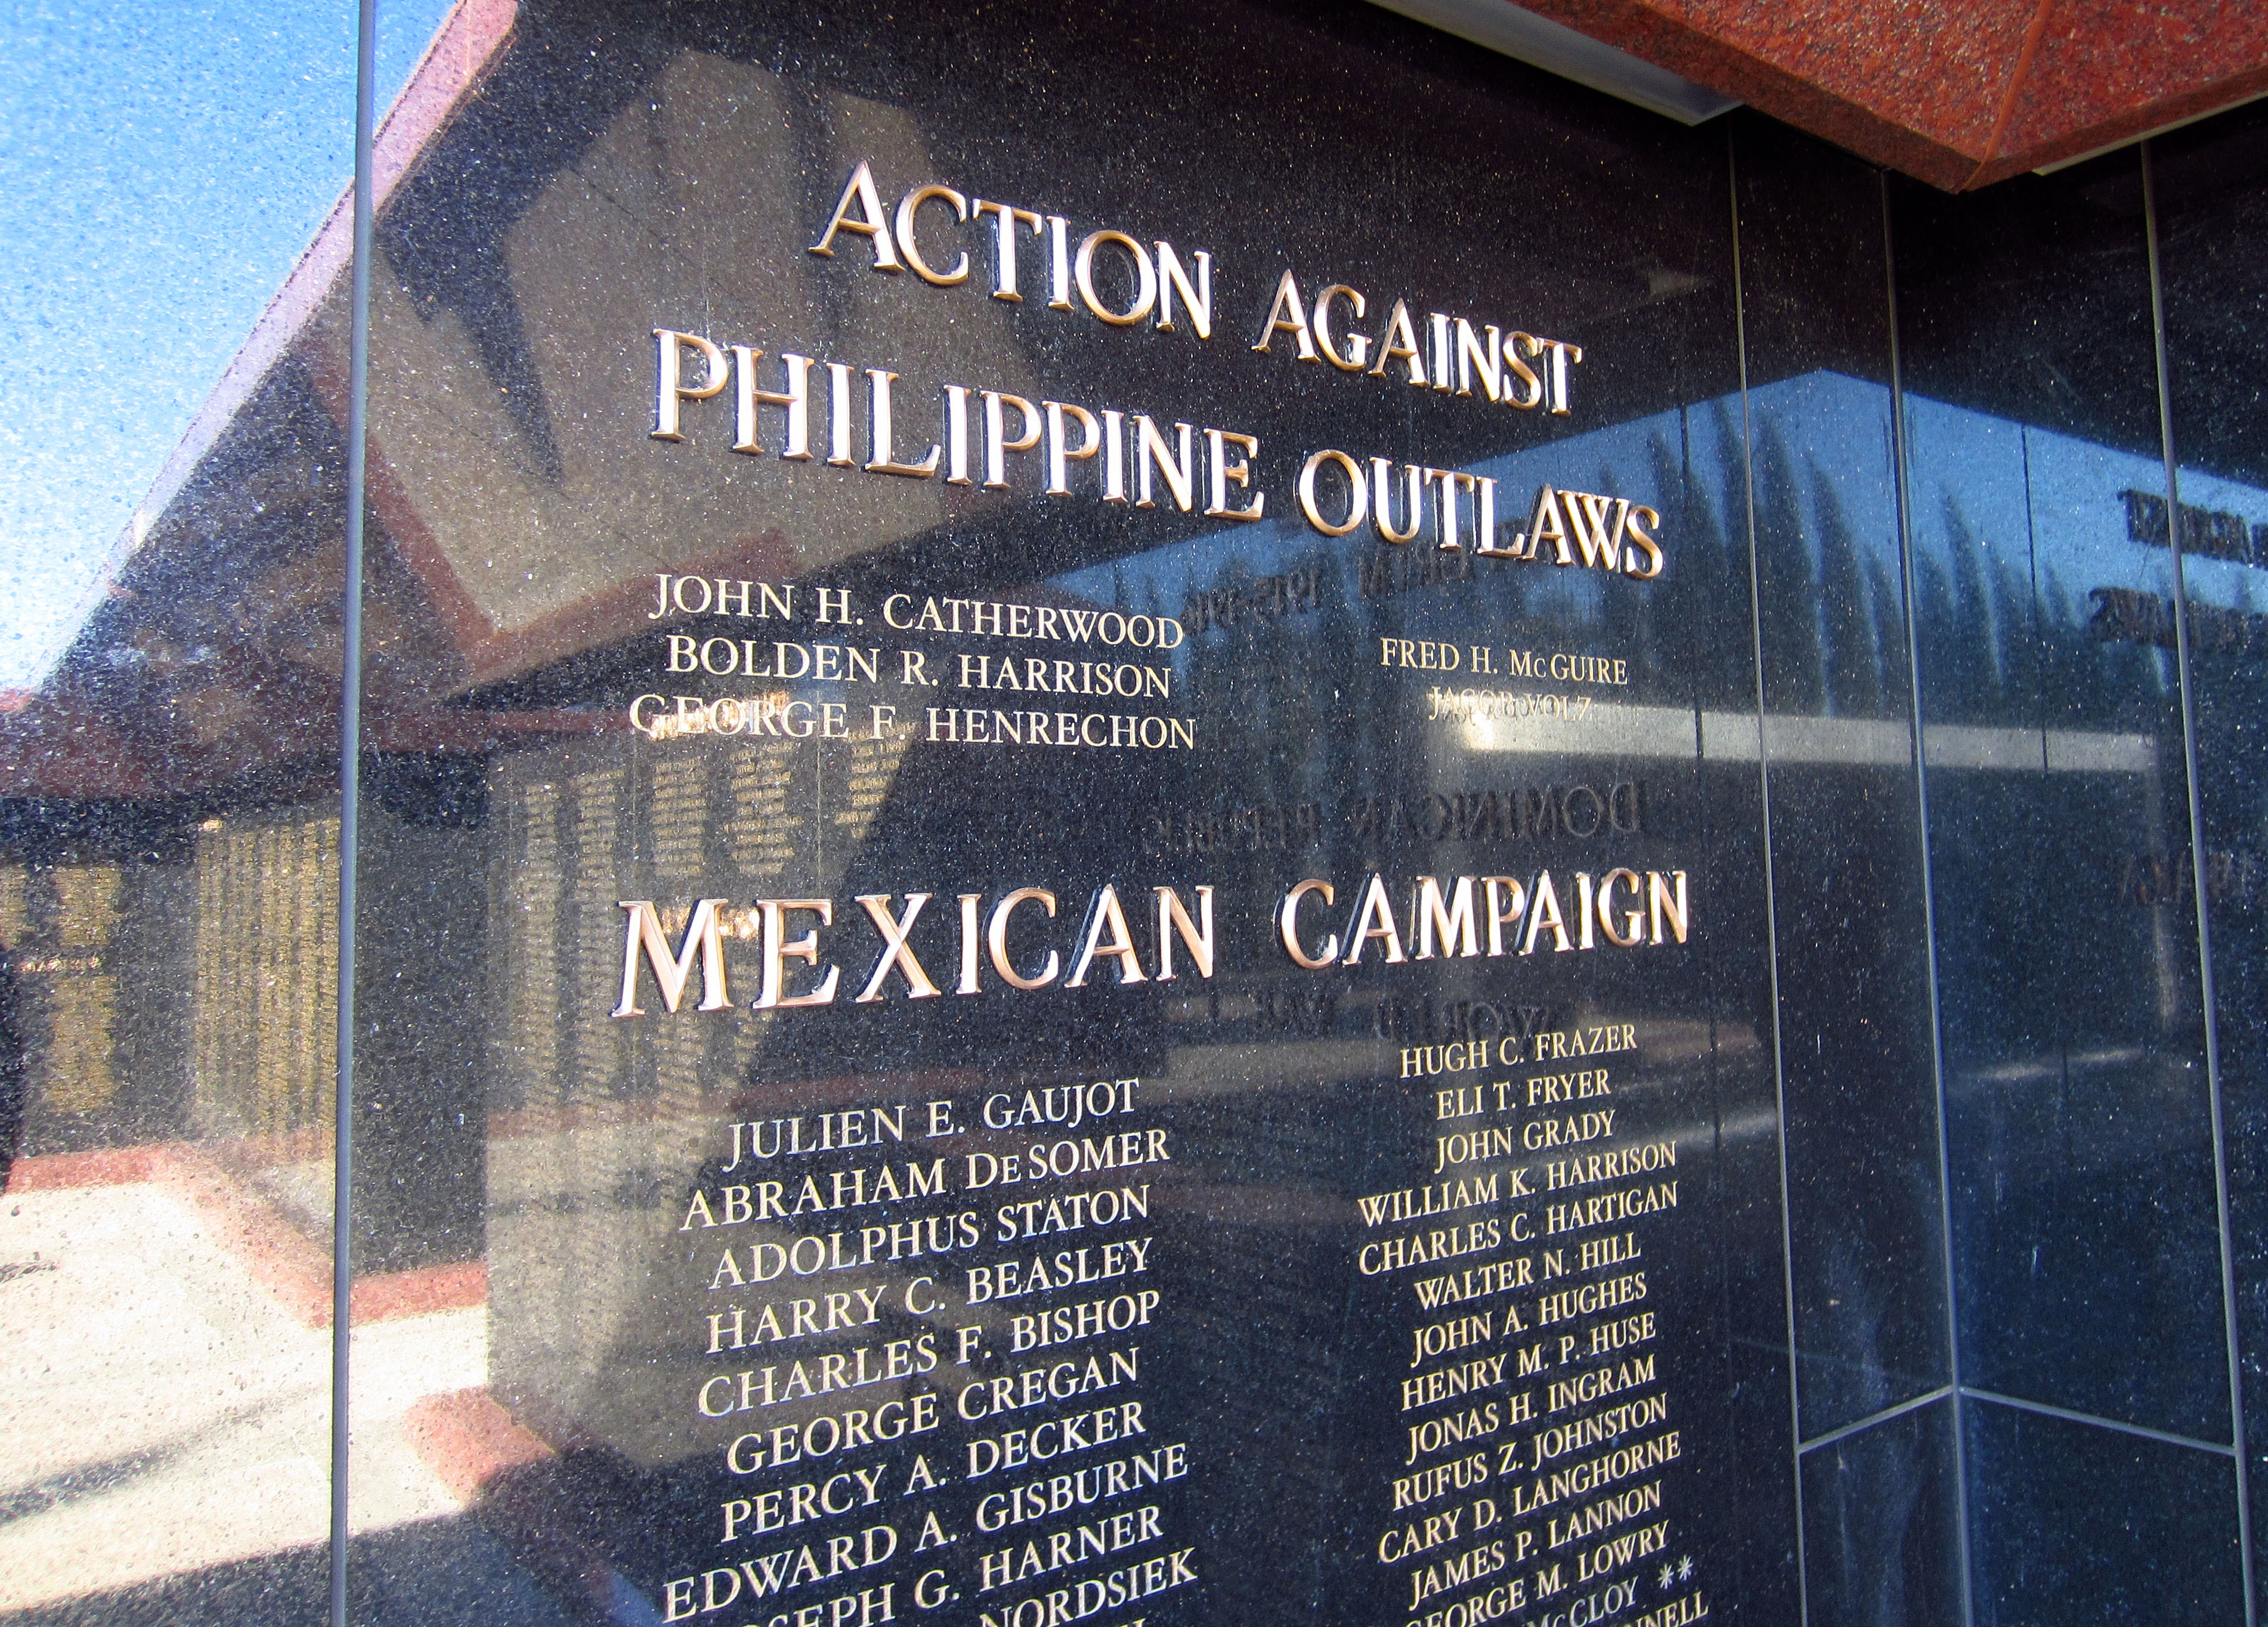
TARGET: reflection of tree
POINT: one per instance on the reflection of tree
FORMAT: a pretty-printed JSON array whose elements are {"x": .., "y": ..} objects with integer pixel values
[
  {"x": 1832, "y": 610},
  {"x": 1317, "y": 718},
  {"x": 1353, "y": 682},
  {"x": 1986, "y": 652},
  {"x": 1787, "y": 583},
  {"x": 1886, "y": 608},
  {"x": 1997, "y": 651},
  {"x": 2086, "y": 681},
  {"x": 1714, "y": 557},
  {"x": 1852, "y": 606}
]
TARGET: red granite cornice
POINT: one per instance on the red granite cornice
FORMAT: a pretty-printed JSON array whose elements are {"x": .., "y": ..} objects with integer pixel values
[{"x": 1959, "y": 93}]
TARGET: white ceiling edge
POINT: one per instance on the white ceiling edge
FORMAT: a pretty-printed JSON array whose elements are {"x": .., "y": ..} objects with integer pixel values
[{"x": 1504, "y": 28}]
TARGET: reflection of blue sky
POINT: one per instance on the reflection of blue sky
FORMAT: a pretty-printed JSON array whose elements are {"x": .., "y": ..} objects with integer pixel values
[
  {"x": 1976, "y": 480},
  {"x": 1840, "y": 427},
  {"x": 2015, "y": 489},
  {"x": 1625, "y": 461},
  {"x": 2225, "y": 582},
  {"x": 162, "y": 166}
]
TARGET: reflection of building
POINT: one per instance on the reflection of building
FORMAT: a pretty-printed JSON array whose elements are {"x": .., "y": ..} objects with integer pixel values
[{"x": 1946, "y": 1045}]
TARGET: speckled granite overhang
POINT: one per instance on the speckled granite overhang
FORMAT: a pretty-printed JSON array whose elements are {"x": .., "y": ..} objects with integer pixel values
[{"x": 1960, "y": 93}]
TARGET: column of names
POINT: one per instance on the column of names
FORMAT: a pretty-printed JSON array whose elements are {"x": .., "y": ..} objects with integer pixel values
[
  {"x": 1536, "y": 1435},
  {"x": 921, "y": 1355}
]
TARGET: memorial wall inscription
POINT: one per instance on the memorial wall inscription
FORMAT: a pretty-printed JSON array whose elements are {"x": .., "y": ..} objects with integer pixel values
[
  {"x": 923, "y": 1360},
  {"x": 1135, "y": 1001},
  {"x": 1159, "y": 816}
]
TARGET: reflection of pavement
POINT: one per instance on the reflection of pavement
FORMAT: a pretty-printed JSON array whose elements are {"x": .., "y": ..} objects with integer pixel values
[{"x": 166, "y": 1413}]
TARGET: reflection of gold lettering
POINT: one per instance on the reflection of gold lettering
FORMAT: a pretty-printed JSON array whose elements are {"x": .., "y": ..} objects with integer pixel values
[
  {"x": 1357, "y": 493},
  {"x": 838, "y": 419},
  {"x": 1632, "y": 911},
  {"x": 1663, "y": 903},
  {"x": 882, "y": 460},
  {"x": 1197, "y": 936},
  {"x": 1473, "y": 357},
  {"x": 1110, "y": 914},
  {"x": 1485, "y": 522},
  {"x": 1531, "y": 391},
  {"x": 996, "y": 444},
  {"x": 1059, "y": 453},
  {"x": 1507, "y": 902},
  {"x": 1058, "y": 263},
  {"x": 1115, "y": 730},
  {"x": 1561, "y": 355},
  {"x": 1544, "y": 912},
  {"x": 1453, "y": 918},
  {"x": 1382, "y": 499},
  {"x": 1106, "y": 913},
  {"x": 1633, "y": 922},
  {"x": 1224, "y": 472},
  {"x": 1156, "y": 282},
  {"x": 1004, "y": 263},
  {"x": 1373, "y": 918},
  {"x": 1641, "y": 538},
  {"x": 1358, "y": 345},
  {"x": 1586, "y": 516},
  {"x": 773, "y": 714},
  {"x": 1151, "y": 453},
  {"x": 796, "y": 398},
  {"x": 1455, "y": 355},
  {"x": 1286, "y": 316},
  {"x": 1546, "y": 525},
  {"x": 969, "y": 903},
  {"x": 1400, "y": 339},
  {"x": 1174, "y": 277},
  {"x": 1145, "y": 279},
  {"x": 708, "y": 923}
]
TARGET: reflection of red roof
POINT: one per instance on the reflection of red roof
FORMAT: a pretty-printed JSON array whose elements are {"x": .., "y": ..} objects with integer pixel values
[
  {"x": 62, "y": 748},
  {"x": 467, "y": 41},
  {"x": 58, "y": 745}
]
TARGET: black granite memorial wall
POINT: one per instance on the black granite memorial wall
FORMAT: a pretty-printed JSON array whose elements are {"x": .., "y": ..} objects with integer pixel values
[{"x": 1177, "y": 815}]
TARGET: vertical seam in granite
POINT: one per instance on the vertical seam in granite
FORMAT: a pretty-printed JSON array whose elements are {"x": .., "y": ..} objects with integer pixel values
[
  {"x": 2033, "y": 35},
  {"x": 2206, "y": 993},
  {"x": 365, "y": 208},
  {"x": 1900, "y": 463},
  {"x": 1771, "y": 908}
]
